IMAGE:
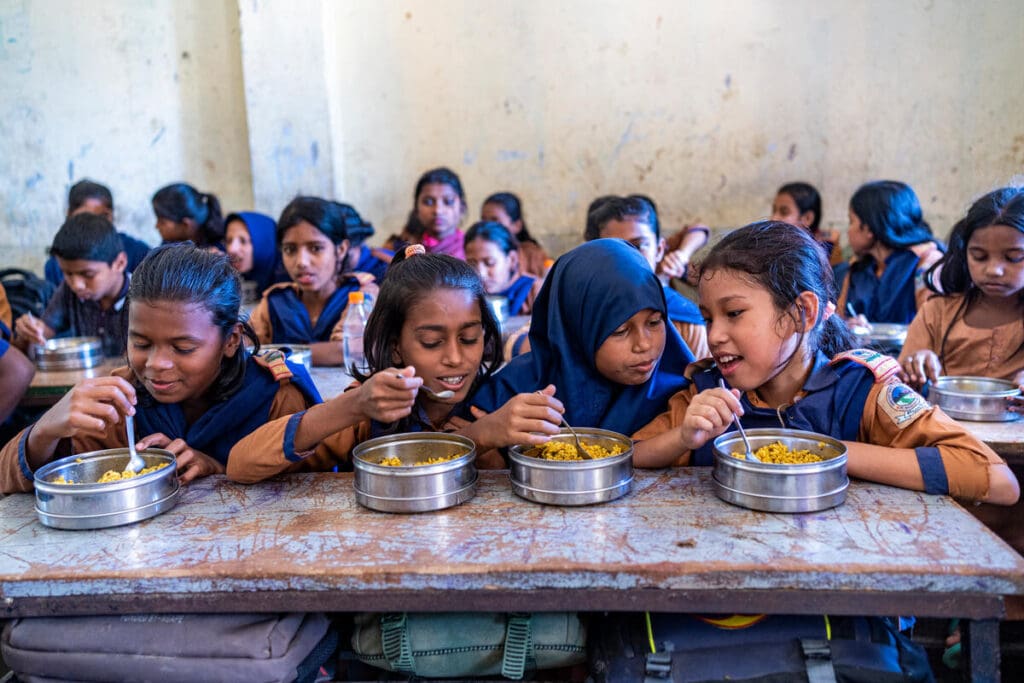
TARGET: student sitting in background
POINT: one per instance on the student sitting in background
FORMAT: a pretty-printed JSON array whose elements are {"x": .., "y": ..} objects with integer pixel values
[
  {"x": 91, "y": 300},
  {"x": 634, "y": 219},
  {"x": 86, "y": 196},
  {"x": 252, "y": 249},
  {"x": 430, "y": 333},
  {"x": 361, "y": 257},
  {"x": 505, "y": 208},
  {"x": 977, "y": 327},
  {"x": 786, "y": 359},
  {"x": 184, "y": 214},
  {"x": 439, "y": 206},
  {"x": 492, "y": 251},
  {"x": 679, "y": 248},
  {"x": 893, "y": 247},
  {"x": 313, "y": 241},
  {"x": 799, "y": 204},
  {"x": 193, "y": 388}
]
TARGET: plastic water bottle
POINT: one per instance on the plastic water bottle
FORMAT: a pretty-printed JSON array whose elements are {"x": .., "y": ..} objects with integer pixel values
[{"x": 352, "y": 328}]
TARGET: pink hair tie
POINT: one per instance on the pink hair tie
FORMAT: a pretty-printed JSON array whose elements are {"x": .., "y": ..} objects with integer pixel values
[
  {"x": 414, "y": 249},
  {"x": 830, "y": 308}
]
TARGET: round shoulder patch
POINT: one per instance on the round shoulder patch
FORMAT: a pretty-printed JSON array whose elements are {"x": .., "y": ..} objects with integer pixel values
[{"x": 902, "y": 404}]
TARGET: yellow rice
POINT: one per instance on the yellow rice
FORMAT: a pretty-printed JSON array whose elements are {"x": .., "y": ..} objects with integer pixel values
[
  {"x": 394, "y": 461},
  {"x": 566, "y": 450},
  {"x": 113, "y": 475},
  {"x": 778, "y": 453}
]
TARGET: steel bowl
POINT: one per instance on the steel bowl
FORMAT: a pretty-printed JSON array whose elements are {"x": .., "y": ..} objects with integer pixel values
[
  {"x": 68, "y": 353},
  {"x": 780, "y": 488},
  {"x": 885, "y": 338},
  {"x": 410, "y": 487},
  {"x": 300, "y": 354},
  {"x": 980, "y": 399},
  {"x": 97, "y": 506},
  {"x": 574, "y": 482}
]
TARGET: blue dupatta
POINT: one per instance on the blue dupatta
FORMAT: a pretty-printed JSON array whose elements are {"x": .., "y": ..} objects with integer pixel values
[{"x": 290, "y": 321}]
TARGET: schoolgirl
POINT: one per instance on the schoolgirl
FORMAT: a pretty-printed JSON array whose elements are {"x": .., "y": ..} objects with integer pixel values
[
  {"x": 766, "y": 290},
  {"x": 183, "y": 213},
  {"x": 599, "y": 336},
  {"x": 977, "y": 327},
  {"x": 431, "y": 332},
  {"x": 893, "y": 246},
  {"x": 493, "y": 252},
  {"x": 799, "y": 204},
  {"x": 191, "y": 385},
  {"x": 439, "y": 205},
  {"x": 505, "y": 208},
  {"x": 313, "y": 241},
  {"x": 252, "y": 249},
  {"x": 362, "y": 258}
]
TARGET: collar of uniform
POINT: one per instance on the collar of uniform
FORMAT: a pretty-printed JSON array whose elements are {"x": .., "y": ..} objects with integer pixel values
[
  {"x": 119, "y": 304},
  {"x": 822, "y": 375}
]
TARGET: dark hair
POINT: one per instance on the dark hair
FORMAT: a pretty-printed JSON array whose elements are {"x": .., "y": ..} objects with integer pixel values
[
  {"x": 357, "y": 230},
  {"x": 514, "y": 208},
  {"x": 87, "y": 237},
  {"x": 84, "y": 190},
  {"x": 1004, "y": 206},
  {"x": 786, "y": 261},
  {"x": 180, "y": 201},
  {"x": 409, "y": 281},
  {"x": 330, "y": 218},
  {"x": 184, "y": 273},
  {"x": 806, "y": 198},
  {"x": 492, "y": 232},
  {"x": 612, "y": 208},
  {"x": 891, "y": 212},
  {"x": 439, "y": 176}
]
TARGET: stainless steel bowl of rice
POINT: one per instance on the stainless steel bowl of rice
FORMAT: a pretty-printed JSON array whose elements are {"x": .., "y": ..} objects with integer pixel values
[
  {"x": 416, "y": 472},
  {"x": 556, "y": 475},
  {"x": 795, "y": 471},
  {"x": 87, "y": 491}
]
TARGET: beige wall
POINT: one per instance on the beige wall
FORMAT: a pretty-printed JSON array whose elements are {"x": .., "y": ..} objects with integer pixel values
[
  {"x": 135, "y": 95},
  {"x": 707, "y": 107}
]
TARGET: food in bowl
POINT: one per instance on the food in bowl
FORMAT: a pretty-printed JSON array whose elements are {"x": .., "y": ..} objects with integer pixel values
[
  {"x": 777, "y": 453},
  {"x": 112, "y": 475},
  {"x": 395, "y": 461},
  {"x": 566, "y": 450}
]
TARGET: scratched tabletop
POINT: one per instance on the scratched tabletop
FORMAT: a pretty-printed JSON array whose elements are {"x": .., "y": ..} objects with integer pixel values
[{"x": 302, "y": 542}]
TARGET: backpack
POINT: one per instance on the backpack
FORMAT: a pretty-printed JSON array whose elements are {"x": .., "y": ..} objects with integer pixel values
[
  {"x": 685, "y": 648},
  {"x": 26, "y": 292}
]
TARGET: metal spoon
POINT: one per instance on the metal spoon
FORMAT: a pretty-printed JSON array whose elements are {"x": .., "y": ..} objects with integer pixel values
[
  {"x": 736, "y": 420},
  {"x": 439, "y": 395},
  {"x": 580, "y": 450},
  {"x": 135, "y": 463}
]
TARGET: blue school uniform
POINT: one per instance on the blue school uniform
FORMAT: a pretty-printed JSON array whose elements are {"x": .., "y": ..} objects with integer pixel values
[
  {"x": 134, "y": 249},
  {"x": 518, "y": 292},
  {"x": 590, "y": 292},
  {"x": 225, "y": 423},
  {"x": 267, "y": 267},
  {"x": 681, "y": 309},
  {"x": 374, "y": 261},
  {"x": 889, "y": 298},
  {"x": 290, "y": 321}
]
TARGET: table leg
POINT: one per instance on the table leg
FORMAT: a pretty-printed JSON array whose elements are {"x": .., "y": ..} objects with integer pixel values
[{"x": 981, "y": 646}]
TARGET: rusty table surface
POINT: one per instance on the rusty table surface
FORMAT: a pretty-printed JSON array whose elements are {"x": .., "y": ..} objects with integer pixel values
[
  {"x": 1005, "y": 438},
  {"x": 303, "y": 543}
]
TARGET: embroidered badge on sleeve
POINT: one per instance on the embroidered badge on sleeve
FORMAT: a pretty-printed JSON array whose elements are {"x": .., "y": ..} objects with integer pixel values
[{"x": 902, "y": 404}]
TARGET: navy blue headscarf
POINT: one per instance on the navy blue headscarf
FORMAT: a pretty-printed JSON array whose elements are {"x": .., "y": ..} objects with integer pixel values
[
  {"x": 265, "y": 257},
  {"x": 590, "y": 292}
]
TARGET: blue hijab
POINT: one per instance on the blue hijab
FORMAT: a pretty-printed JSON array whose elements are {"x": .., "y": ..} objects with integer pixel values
[
  {"x": 225, "y": 423},
  {"x": 681, "y": 309},
  {"x": 265, "y": 256},
  {"x": 590, "y": 292}
]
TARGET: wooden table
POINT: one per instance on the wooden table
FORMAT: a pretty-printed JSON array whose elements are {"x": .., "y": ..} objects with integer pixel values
[
  {"x": 48, "y": 386},
  {"x": 303, "y": 543}
]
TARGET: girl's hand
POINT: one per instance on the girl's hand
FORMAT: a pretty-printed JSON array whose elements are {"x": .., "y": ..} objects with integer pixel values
[
  {"x": 92, "y": 408},
  {"x": 389, "y": 395},
  {"x": 192, "y": 464},
  {"x": 30, "y": 328},
  {"x": 709, "y": 414},
  {"x": 673, "y": 265},
  {"x": 524, "y": 419},
  {"x": 922, "y": 366}
]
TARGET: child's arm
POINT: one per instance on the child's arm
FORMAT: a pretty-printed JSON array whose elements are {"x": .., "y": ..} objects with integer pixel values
[
  {"x": 29, "y": 329},
  {"x": 327, "y": 353},
  {"x": 191, "y": 463},
  {"x": 910, "y": 435},
  {"x": 918, "y": 360},
  {"x": 90, "y": 411},
  {"x": 288, "y": 442},
  {"x": 691, "y": 421},
  {"x": 524, "y": 419},
  {"x": 16, "y": 372}
]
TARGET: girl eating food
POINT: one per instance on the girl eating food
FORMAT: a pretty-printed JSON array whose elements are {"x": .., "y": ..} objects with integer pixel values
[{"x": 492, "y": 251}]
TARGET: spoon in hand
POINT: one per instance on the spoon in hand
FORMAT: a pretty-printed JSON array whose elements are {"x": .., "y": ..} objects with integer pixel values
[
  {"x": 736, "y": 420},
  {"x": 135, "y": 463},
  {"x": 447, "y": 393},
  {"x": 580, "y": 450}
]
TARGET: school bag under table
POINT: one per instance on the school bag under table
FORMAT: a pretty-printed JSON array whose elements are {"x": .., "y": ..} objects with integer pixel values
[
  {"x": 685, "y": 648},
  {"x": 169, "y": 648},
  {"x": 26, "y": 292}
]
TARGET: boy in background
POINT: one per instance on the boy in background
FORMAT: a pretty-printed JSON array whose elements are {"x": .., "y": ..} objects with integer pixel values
[{"x": 90, "y": 301}]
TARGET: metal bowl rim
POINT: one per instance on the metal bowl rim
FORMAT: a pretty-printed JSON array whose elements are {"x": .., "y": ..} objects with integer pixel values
[
  {"x": 937, "y": 387},
  {"x": 358, "y": 461},
  {"x": 42, "y": 484},
  {"x": 781, "y": 432},
  {"x": 68, "y": 344},
  {"x": 515, "y": 452}
]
